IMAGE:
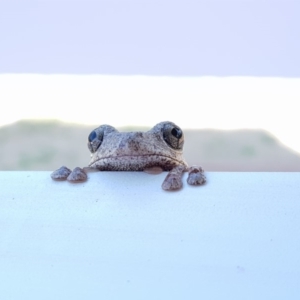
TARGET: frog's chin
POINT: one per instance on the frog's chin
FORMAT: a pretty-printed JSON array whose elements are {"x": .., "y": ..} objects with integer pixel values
[{"x": 136, "y": 163}]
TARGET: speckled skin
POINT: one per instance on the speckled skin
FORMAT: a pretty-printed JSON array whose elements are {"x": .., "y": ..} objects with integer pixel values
[
  {"x": 158, "y": 148},
  {"x": 135, "y": 151}
]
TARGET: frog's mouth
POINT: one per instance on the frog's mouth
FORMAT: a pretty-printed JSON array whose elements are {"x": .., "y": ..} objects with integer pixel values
[{"x": 136, "y": 163}]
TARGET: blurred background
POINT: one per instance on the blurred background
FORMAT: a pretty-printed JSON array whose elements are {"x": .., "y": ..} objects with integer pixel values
[{"x": 226, "y": 71}]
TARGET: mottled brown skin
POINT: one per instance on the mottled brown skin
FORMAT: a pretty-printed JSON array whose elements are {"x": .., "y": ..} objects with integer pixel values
[
  {"x": 135, "y": 151},
  {"x": 159, "y": 148}
]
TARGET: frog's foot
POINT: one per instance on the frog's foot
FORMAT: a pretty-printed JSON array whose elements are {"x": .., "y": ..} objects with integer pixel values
[
  {"x": 61, "y": 174},
  {"x": 173, "y": 181},
  {"x": 77, "y": 175},
  {"x": 196, "y": 176}
]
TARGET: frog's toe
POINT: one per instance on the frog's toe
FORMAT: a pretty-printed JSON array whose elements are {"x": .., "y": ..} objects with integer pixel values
[
  {"x": 196, "y": 179},
  {"x": 196, "y": 176},
  {"x": 173, "y": 181},
  {"x": 77, "y": 175},
  {"x": 61, "y": 174}
]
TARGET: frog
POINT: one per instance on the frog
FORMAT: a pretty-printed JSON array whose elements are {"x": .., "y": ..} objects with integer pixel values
[{"x": 156, "y": 150}]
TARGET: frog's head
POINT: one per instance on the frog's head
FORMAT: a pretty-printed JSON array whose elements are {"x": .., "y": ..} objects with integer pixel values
[{"x": 135, "y": 151}]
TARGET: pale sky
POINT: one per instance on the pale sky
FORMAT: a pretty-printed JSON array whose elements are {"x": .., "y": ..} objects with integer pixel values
[{"x": 151, "y": 37}]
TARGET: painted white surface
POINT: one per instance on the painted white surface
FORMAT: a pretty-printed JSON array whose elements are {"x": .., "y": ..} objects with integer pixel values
[{"x": 119, "y": 236}]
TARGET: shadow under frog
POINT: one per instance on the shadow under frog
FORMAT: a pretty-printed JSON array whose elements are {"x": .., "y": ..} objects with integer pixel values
[{"x": 153, "y": 151}]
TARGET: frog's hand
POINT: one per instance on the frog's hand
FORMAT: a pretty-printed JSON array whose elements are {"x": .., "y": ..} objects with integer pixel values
[
  {"x": 196, "y": 176},
  {"x": 61, "y": 174},
  {"x": 173, "y": 181},
  {"x": 77, "y": 175}
]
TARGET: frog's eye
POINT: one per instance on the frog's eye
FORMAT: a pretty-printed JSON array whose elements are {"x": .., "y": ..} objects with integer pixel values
[
  {"x": 95, "y": 139},
  {"x": 173, "y": 136}
]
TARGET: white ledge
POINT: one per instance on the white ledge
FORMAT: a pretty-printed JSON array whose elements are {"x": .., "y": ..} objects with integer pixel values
[{"x": 120, "y": 236}]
